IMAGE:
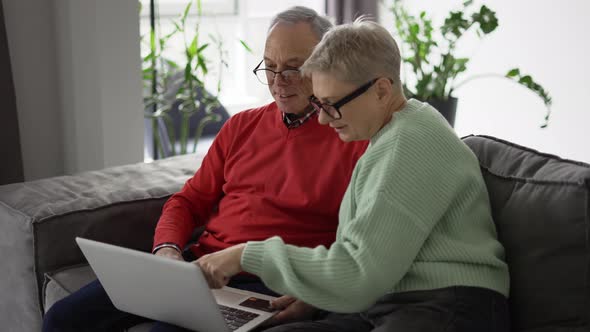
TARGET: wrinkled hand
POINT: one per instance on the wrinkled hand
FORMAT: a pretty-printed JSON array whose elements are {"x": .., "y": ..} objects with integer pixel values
[
  {"x": 291, "y": 310},
  {"x": 219, "y": 267},
  {"x": 169, "y": 253}
]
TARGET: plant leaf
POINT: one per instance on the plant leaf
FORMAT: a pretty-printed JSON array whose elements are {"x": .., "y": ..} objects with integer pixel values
[
  {"x": 192, "y": 49},
  {"x": 246, "y": 47},
  {"x": 201, "y": 63},
  {"x": 455, "y": 24},
  {"x": 513, "y": 72},
  {"x": 172, "y": 64},
  {"x": 148, "y": 57},
  {"x": 186, "y": 10},
  {"x": 486, "y": 18},
  {"x": 199, "y": 8},
  {"x": 177, "y": 26},
  {"x": 528, "y": 82},
  {"x": 204, "y": 46}
]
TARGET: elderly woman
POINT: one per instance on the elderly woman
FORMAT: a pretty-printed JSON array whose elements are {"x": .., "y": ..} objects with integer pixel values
[{"x": 416, "y": 248}]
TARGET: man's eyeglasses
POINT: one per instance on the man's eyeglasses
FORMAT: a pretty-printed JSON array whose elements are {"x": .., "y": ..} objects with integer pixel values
[
  {"x": 333, "y": 110},
  {"x": 267, "y": 76}
]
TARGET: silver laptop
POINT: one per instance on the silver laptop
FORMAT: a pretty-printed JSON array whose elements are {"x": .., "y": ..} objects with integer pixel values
[{"x": 172, "y": 291}]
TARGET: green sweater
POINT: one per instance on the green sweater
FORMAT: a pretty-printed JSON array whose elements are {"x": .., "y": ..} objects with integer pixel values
[{"x": 415, "y": 216}]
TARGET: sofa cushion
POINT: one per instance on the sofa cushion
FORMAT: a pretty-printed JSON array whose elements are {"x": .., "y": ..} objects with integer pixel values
[
  {"x": 541, "y": 205},
  {"x": 61, "y": 283}
]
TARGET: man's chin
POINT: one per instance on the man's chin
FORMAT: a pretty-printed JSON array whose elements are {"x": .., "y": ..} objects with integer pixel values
[{"x": 289, "y": 107}]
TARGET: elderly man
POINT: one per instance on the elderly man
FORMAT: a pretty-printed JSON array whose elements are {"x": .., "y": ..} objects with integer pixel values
[{"x": 255, "y": 182}]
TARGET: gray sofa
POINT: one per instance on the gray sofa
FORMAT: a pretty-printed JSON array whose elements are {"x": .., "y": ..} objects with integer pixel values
[{"x": 541, "y": 207}]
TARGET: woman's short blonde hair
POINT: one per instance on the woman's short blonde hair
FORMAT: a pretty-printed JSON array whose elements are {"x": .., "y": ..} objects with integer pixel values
[{"x": 356, "y": 52}]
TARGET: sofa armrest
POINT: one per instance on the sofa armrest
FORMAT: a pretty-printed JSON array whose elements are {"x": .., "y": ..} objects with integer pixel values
[{"x": 40, "y": 219}]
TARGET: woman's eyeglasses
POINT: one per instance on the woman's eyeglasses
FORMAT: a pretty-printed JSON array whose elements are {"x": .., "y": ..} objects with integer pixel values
[{"x": 333, "y": 110}]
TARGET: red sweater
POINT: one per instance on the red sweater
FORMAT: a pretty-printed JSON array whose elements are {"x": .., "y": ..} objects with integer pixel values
[{"x": 260, "y": 179}]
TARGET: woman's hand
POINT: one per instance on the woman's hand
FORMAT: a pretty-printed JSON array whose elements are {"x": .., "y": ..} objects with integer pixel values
[
  {"x": 291, "y": 310},
  {"x": 219, "y": 267}
]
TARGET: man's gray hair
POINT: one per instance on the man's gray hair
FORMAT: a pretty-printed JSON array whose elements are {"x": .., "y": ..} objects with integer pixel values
[
  {"x": 357, "y": 53},
  {"x": 319, "y": 24}
]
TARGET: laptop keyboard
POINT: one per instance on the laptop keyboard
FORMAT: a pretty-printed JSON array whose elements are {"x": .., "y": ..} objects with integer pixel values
[{"x": 235, "y": 318}]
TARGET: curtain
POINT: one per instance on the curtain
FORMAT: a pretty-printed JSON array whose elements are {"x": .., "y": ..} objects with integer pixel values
[
  {"x": 11, "y": 166},
  {"x": 345, "y": 11}
]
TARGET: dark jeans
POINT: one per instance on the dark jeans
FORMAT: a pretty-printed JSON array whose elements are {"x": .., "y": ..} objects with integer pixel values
[
  {"x": 453, "y": 309},
  {"x": 90, "y": 309}
]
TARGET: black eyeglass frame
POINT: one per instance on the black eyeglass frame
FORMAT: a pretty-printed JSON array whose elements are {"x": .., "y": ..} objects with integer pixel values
[
  {"x": 343, "y": 101},
  {"x": 275, "y": 73}
]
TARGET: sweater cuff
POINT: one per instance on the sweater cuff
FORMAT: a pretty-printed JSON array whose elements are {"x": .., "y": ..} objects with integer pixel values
[
  {"x": 252, "y": 257},
  {"x": 167, "y": 245}
]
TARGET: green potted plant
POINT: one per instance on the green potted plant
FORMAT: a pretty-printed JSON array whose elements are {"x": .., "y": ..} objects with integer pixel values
[
  {"x": 172, "y": 87},
  {"x": 429, "y": 53}
]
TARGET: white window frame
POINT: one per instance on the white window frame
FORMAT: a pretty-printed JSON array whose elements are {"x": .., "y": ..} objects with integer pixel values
[{"x": 209, "y": 7}]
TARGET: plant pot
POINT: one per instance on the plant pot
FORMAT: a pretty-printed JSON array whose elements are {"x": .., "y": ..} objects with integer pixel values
[{"x": 446, "y": 107}]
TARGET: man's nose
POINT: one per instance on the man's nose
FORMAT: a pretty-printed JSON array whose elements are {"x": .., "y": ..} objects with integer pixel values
[{"x": 279, "y": 79}]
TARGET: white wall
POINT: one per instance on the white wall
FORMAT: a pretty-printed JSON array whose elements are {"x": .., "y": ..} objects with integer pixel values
[
  {"x": 98, "y": 55},
  {"x": 76, "y": 68},
  {"x": 547, "y": 39},
  {"x": 31, "y": 42}
]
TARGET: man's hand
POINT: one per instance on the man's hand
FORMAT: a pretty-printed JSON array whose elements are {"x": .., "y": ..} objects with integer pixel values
[
  {"x": 169, "y": 253},
  {"x": 291, "y": 310},
  {"x": 219, "y": 267}
]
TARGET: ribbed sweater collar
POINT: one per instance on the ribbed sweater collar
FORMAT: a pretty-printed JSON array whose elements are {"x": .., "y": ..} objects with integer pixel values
[{"x": 411, "y": 105}]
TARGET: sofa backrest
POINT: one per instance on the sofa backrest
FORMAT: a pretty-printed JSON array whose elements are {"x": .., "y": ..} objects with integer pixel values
[{"x": 541, "y": 206}]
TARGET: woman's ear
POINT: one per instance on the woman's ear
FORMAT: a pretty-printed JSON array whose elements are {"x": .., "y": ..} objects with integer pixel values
[{"x": 383, "y": 88}]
